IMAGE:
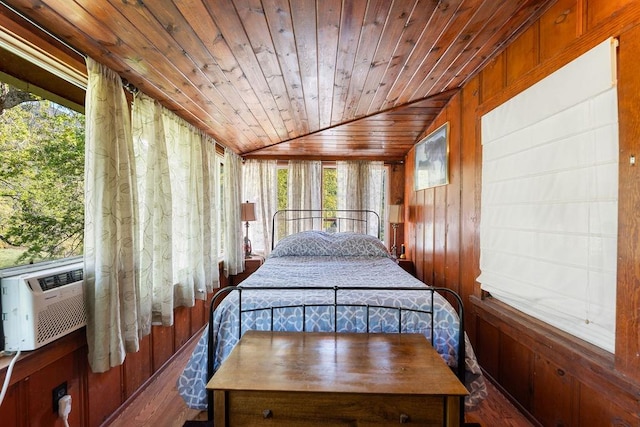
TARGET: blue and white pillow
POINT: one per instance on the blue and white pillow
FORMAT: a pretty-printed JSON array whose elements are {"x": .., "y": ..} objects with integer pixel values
[{"x": 321, "y": 243}]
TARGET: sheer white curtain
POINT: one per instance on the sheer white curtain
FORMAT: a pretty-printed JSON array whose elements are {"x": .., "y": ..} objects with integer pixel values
[
  {"x": 150, "y": 239},
  {"x": 360, "y": 185},
  {"x": 112, "y": 295},
  {"x": 260, "y": 186},
  {"x": 210, "y": 214},
  {"x": 304, "y": 189},
  {"x": 177, "y": 175},
  {"x": 154, "y": 192},
  {"x": 234, "y": 251}
]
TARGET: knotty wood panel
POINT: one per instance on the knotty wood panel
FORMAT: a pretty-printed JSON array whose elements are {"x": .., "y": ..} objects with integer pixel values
[
  {"x": 487, "y": 346},
  {"x": 182, "y": 326},
  {"x": 419, "y": 209},
  {"x": 439, "y": 229},
  {"x": 603, "y": 10},
  {"x": 410, "y": 223},
  {"x": 163, "y": 341},
  {"x": 198, "y": 316},
  {"x": 597, "y": 410},
  {"x": 522, "y": 54},
  {"x": 451, "y": 274},
  {"x": 562, "y": 21},
  {"x": 493, "y": 78},
  {"x": 10, "y": 409},
  {"x": 514, "y": 369},
  {"x": 552, "y": 393},
  {"x": 470, "y": 181},
  {"x": 427, "y": 213},
  {"x": 137, "y": 367},
  {"x": 104, "y": 395}
]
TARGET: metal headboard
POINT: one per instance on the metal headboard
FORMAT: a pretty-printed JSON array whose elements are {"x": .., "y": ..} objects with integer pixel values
[{"x": 288, "y": 221}]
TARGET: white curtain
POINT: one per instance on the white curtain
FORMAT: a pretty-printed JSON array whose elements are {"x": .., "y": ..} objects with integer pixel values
[
  {"x": 234, "y": 250},
  {"x": 177, "y": 175},
  {"x": 154, "y": 184},
  {"x": 304, "y": 190},
  {"x": 360, "y": 185},
  {"x": 260, "y": 186},
  {"x": 112, "y": 295}
]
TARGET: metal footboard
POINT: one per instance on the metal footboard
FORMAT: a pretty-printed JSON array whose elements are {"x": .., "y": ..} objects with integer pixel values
[{"x": 334, "y": 303}]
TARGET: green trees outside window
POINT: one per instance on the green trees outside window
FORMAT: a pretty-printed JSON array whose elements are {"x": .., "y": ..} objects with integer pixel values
[{"x": 41, "y": 179}]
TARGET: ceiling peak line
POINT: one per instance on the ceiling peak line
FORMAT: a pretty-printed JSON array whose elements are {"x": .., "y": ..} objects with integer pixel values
[{"x": 442, "y": 96}]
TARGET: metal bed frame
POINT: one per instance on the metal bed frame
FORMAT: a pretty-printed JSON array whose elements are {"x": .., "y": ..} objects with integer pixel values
[
  {"x": 333, "y": 220},
  {"x": 339, "y": 220},
  {"x": 335, "y": 291}
]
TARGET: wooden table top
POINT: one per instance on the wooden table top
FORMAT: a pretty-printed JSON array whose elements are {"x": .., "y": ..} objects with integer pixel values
[{"x": 336, "y": 362}]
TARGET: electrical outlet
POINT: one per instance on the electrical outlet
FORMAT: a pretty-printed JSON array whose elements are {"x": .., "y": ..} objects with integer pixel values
[{"x": 57, "y": 393}]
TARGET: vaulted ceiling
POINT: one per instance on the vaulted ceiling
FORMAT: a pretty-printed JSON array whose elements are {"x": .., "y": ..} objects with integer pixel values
[{"x": 324, "y": 79}]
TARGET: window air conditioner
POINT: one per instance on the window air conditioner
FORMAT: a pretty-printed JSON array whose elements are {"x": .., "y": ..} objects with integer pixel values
[{"x": 41, "y": 304}]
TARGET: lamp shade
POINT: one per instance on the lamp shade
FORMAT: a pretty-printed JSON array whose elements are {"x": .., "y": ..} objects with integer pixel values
[
  {"x": 396, "y": 214},
  {"x": 248, "y": 211}
]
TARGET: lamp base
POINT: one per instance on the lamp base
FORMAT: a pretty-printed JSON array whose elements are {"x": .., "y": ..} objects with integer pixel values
[
  {"x": 247, "y": 242},
  {"x": 394, "y": 248},
  {"x": 247, "y": 247}
]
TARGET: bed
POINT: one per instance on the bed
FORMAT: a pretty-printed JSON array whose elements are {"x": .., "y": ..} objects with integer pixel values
[{"x": 332, "y": 281}]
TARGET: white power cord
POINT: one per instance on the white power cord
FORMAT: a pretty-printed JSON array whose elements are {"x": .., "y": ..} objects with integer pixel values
[
  {"x": 7, "y": 377},
  {"x": 64, "y": 408}
]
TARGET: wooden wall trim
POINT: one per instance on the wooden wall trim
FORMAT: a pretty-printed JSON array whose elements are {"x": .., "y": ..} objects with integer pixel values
[
  {"x": 33, "y": 361},
  {"x": 593, "y": 366},
  {"x": 628, "y": 293}
]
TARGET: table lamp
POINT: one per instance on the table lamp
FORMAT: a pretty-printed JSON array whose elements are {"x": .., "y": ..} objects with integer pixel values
[
  {"x": 247, "y": 213},
  {"x": 395, "y": 218}
]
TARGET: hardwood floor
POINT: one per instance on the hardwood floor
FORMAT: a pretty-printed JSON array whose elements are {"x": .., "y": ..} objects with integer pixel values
[
  {"x": 159, "y": 405},
  {"x": 496, "y": 410}
]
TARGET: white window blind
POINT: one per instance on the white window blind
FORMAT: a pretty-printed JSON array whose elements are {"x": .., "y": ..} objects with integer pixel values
[{"x": 548, "y": 230}]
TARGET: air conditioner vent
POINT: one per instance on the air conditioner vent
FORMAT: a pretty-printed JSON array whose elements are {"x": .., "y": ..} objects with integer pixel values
[
  {"x": 59, "y": 317},
  {"x": 62, "y": 279}
]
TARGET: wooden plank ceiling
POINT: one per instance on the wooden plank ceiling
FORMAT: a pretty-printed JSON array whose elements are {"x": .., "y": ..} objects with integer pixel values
[{"x": 323, "y": 79}]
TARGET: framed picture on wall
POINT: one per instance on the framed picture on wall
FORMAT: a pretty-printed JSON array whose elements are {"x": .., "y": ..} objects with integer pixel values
[{"x": 432, "y": 159}]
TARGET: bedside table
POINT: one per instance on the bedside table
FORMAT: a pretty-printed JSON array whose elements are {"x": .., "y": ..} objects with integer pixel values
[
  {"x": 407, "y": 265},
  {"x": 251, "y": 264}
]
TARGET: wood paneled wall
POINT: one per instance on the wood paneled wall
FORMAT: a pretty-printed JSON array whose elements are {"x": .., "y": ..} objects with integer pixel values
[
  {"x": 556, "y": 378},
  {"x": 96, "y": 398}
]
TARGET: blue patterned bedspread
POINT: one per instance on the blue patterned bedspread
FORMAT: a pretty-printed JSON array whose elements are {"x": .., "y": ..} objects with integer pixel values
[{"x": 313, "y": 271}]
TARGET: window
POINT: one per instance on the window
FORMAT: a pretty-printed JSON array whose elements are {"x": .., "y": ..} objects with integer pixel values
[
  {"x": 329, "y": 193},
  {"x": 329, "y": 190},
  {"x": 41, "y": 177},
  {"x": 41, "y": 147}
]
